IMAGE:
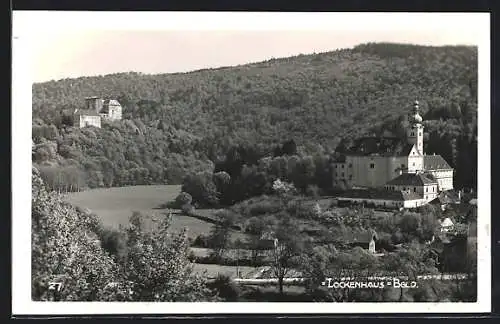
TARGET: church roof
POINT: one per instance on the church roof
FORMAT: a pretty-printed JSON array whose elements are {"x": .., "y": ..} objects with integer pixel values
[
  {"x": 385, "y": 146},
  {"x": 435, "y": 162},
  {"x": 412, "y": 179},
  {"x": 382, "y": 194}
]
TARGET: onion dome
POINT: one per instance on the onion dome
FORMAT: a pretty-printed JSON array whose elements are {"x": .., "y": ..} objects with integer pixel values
[{"x": 415, "y": 116}]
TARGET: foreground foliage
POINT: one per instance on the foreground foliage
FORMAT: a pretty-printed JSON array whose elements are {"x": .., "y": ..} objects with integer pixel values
[{"x": 68, "y": 255}]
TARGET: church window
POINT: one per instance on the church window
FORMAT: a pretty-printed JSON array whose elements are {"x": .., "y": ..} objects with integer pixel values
[
  {"x": 433, "y": 188},
  {"x": 336, "y": 166},
  {"x": 372, "y": 165},
  {"x": 420, "y": 134},
  {"x": 426, "y": 189},
  {"x": 350, "y": 165},
  {"x": 342, "y": 174},
  {"x": 413, "y": 163},
  {"x": 414, "y": 189},
  {"x": 342, "y": 166},
  {"x": 402, "y": 166},
  {"x": 412, "y": 134}
]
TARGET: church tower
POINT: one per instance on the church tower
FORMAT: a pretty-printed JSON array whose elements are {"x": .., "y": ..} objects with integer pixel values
[{"x": 415, "y": 133}]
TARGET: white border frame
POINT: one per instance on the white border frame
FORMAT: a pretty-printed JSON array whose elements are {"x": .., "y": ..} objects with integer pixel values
[{"x": 27, "y": 23}]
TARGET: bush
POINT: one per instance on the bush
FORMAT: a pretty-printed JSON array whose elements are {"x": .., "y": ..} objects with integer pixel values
[
  {"x": 299, "y": 210},
  {"x": 213, "y": 258},
  {"x": 265, "y": 207},
  {"x": 188, "y": 209},
  {"x": 201, "y": 188},
  {"x": 113, "y": 241},
  {"x": 313, "y": 191},
  {"x": 202, "y": 241},
  {"x": 226, "y": 288},
  {"x": 183, "y": 199}
]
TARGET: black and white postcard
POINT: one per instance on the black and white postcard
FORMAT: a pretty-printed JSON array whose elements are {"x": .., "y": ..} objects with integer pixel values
[{"x": 200, "y": 162}]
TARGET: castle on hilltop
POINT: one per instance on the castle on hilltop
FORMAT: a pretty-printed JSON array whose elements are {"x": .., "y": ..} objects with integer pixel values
[
  {"x": 391, "y": 171},
  {"x": 96, "y": 109}
]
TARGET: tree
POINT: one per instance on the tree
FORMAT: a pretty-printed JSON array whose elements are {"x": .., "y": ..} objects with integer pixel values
[
  {"x": 410, "y": 262},
  {"x": 324, "y": 265},
  {"x": 256, "y": 228},
  {"x": 157, "y": 267},
  {"x": 221, "y": 232},
  {"x": 283, "y": 189},
  {"x": 183, "y": 199},
  {"x": 66, "y": 252},
  {"x": 201, "y": 188},
  {"x": 288, "y": 245}
]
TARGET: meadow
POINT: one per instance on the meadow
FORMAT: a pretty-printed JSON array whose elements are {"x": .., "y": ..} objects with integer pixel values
[{"x": 114, "y": 206}]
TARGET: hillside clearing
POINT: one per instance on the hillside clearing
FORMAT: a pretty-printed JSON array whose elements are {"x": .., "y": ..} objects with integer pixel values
[{"x": 114, "y": 206}]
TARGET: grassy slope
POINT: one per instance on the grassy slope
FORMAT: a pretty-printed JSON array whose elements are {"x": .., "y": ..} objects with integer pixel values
[{"x": 115, "y": 205}]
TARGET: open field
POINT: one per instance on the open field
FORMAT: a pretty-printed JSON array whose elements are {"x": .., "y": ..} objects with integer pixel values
[
  {"x": 212, "y": 270},
  {"x": 114, "y": 206}
]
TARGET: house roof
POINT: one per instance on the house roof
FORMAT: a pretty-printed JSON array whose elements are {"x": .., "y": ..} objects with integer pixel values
[
  {"x": 412, "y": 179},
  {"x": 358, "y": 237},
  {"x": 86, "y": 112},
  {"x": 446, "y": 222},
  {"x": 340, "y": 159},
  {"x": 439, "y": 201},
  {"x": 108, "y": 102},
  {"x": 435, "y": 162},
  {"x": 445, "y": 197},
  {"x": 385, "y": 146},
  {"x": 380, "y": 194},
  {"x": 111, "y": 102}
]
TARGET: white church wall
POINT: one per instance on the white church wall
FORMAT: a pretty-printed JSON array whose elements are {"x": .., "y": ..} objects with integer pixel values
[{"x": 415, "y": 161}]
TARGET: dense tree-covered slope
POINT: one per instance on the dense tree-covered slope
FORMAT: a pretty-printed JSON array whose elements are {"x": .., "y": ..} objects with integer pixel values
[{"x": 177, "y": 123}]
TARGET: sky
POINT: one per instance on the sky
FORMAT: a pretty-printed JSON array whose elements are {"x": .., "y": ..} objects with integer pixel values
[{"x": 103, "y": 46}]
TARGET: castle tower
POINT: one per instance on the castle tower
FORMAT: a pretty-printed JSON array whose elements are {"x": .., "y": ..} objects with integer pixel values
[{"x": 415, "y": 133}]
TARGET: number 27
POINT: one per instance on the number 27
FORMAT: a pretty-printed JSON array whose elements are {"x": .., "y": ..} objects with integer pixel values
[{"x": 55, "y": 286}]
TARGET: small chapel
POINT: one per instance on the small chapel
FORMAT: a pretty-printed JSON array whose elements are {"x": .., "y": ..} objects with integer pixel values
[{"x": 392, "y": 171}]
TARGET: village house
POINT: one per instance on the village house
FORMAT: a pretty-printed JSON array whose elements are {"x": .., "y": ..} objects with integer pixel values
[
  {"x": 106, "y": 108},
  {"x": 365, "y": 239},
  {"x": 97, "y": 109},
  {"x": 85, "y": 118},
  {"x": 392, "y": 172}
]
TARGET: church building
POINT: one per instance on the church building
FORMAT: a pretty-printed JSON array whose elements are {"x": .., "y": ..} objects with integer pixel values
[{"x": 391, "y": 171}]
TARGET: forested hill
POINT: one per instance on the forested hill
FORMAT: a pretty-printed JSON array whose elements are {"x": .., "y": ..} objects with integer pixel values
[{"x": 187, "y": 119}]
